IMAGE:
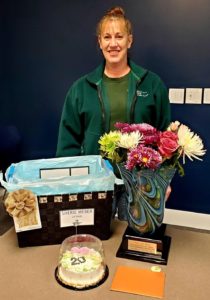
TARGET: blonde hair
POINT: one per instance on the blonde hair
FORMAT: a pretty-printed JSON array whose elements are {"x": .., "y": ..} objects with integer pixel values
[{"x": 116, "y": 12}]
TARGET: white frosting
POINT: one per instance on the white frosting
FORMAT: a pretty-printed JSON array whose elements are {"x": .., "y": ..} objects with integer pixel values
[
  {"x": 81, "y": 280},
  {"x": 81, "y": 267}
]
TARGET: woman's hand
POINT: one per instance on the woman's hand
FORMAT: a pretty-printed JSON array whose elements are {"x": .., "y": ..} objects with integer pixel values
[{"x": 168, "y": 192}]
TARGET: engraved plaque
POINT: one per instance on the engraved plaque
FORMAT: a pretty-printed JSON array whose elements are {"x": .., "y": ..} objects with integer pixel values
[{"x": 142, "y": 246}]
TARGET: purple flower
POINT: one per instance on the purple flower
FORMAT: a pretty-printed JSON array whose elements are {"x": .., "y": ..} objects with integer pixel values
[
  {"x": 143, "y": 157},
  {"x": 150, "y": 134},
  {"x": 152, "y": 147}
]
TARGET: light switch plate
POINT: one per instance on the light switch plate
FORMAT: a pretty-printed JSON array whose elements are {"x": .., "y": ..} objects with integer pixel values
[
  {"x": 206, "y": 96},
  {"x": 176, "y": 96},
  {"x": 193, "y": 96}
]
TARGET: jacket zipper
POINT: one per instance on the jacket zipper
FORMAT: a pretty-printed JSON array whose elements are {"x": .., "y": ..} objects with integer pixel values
[
  {"x": 102, "y": 109},
  {"x": 134, "y": 103}
]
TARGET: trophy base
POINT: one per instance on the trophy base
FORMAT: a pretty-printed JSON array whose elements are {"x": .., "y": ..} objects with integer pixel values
[{"x": 149, "y": 248}]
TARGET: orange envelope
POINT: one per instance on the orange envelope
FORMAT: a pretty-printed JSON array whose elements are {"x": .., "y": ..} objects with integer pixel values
[{"x": 139, "y": 281}]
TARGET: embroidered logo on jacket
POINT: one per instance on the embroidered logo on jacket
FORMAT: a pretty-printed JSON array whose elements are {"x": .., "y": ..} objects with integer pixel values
[{"x": 143, "y": 94}]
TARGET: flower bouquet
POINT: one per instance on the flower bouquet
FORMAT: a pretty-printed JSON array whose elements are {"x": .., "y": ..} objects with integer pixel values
[{"x": 147, "y": 160}]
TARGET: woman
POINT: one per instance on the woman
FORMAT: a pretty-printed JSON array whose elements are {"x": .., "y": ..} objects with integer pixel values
[{"x": 118, "y": 90}]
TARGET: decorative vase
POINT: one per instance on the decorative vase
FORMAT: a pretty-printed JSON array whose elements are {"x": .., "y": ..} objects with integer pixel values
[{"x": 145, "y": 192}]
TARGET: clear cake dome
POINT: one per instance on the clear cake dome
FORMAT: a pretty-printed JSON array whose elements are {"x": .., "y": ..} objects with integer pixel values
[
  {"x": 81, "y": 262},
  {"x": 81, "y": 243}
]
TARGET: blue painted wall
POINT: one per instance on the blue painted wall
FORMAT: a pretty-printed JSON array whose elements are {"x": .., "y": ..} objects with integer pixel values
[{"x": 46, "y": 45}]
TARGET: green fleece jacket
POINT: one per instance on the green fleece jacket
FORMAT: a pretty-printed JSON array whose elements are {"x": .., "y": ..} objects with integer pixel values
[{"x": 86, "y": 112}]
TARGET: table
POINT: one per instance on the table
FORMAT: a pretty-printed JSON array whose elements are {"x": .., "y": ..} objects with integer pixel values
[{"x": 28, "y": 273}]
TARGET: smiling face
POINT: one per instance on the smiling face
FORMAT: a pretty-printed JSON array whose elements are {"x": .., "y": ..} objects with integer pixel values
[{"x": 115, "y": 41}]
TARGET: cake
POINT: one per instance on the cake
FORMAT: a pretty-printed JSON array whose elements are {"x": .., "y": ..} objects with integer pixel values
[{"x": 81, "y": 267}]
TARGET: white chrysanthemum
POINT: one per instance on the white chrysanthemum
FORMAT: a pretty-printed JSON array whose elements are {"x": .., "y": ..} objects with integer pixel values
[
  {"x": 191, "y": 144},
  {"x": 130, "y": 140},
  {"x": 173, "y": 126}
]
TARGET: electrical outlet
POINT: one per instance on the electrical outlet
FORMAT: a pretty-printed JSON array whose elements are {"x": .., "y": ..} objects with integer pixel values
[
  {"x": 176, "y": 96},
  {"x": 206, "y": 96},
  {"x": 193, "y": 96}
]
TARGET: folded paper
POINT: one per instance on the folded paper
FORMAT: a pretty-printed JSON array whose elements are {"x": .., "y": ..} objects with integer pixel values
[{"x": 139, "y": 281}]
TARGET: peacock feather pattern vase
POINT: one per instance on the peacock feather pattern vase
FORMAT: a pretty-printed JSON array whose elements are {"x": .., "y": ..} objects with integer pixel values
[{"x": 145, "y": 197}]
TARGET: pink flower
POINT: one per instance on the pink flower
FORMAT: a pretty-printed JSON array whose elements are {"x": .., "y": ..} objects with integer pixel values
[
  {"x": 153, "y": 148},
  {"x": 168, "y": 143},
  {"x": 82, "y": 250},
  {"x": 150, "y": 134},
  {"x": 143, "y": 157}
]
